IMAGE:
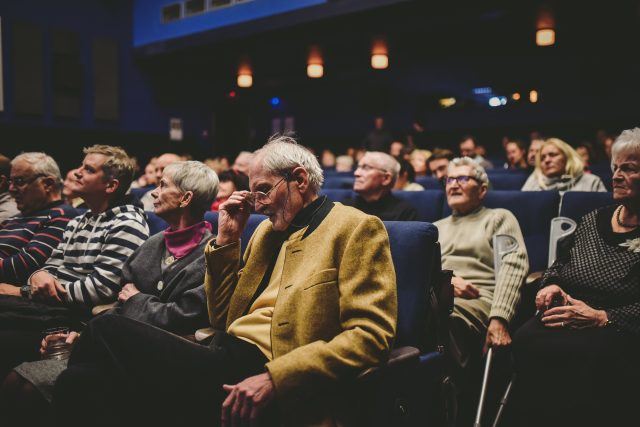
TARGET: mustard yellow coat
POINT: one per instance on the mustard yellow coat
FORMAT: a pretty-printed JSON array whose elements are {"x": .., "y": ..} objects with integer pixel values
[{"x": 335, "y": 315}]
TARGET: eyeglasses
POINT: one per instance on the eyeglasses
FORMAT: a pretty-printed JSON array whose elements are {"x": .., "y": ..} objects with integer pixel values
[
  {"x": 461, "y": 180},
  {"x": 262, "y": 197},
  {"x": 19, "y": 181},
  {"x": 368, "y": 168}
]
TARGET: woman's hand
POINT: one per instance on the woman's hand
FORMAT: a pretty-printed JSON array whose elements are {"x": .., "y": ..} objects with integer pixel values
[
  {"x": 575, "y": 315},
  {"x": 69, "y": 338},
  {"x": 127, "y": 292},
  {"x": 232, "y": 217},
  {"x": 551, "y": 295}
]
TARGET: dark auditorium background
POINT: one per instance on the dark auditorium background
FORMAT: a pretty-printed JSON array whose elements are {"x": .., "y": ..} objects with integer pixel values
[{"x": 79, "y": 72}]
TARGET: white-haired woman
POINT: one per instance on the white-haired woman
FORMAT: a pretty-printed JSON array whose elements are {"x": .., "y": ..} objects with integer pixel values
[
  {"x": 577, "y": 362},
  {"x": 162, "y": 284},
  {"x": 560, "y": 168}
]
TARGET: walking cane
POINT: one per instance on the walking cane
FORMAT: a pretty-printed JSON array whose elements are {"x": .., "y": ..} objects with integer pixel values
[{"x": 483, "y": 390}]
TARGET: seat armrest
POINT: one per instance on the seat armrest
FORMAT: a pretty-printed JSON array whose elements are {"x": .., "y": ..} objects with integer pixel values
[
  {"x": 532, "y": 277},
  {"x": 398, "y": 357},
  {"x": 204, "y": 335}
]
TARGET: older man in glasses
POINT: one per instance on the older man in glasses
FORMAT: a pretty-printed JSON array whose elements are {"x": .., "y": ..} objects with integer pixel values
[
  {"x": 376, "y": 175},
  {"x": 27, "y": 240},
  {"x": 312, "y": 306},
  {"x": 484, "y": 302}
]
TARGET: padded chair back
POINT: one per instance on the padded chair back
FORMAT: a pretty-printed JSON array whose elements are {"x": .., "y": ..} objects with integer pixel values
[
  {"x": 561, "y": 227},
  {"x": 252, "y": 224},
  {"x": 416, "y": 255},
  {"x": 156, "y": 224},
  {"x": 344, "y": 182},
  {"x": 576, "y": 204},
  {"x": 507, "y": 181},
  {"x": 534, "y": 211},
  {"x": 428, "y": 204},
  {"x": 604, "y": 172},
  {"x": 337, "y": 195},
  {"x": 429, "y": 182}
]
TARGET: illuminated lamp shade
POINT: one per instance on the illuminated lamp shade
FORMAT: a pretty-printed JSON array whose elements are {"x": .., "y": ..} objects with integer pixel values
[
  {"x": 516, "y": 96},
  {"x": 245, "y": 78},
  {"x": 533, "y": 96},
  {"x": 545, "y": 37},
  {"x": 379, "y": 54},
  {"x": 315, "y": 68}
]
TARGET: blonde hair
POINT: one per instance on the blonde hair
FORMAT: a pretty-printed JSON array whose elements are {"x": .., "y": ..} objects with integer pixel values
[
  {"x": 574, "y": 167},
  {"x": 118, "y": 165}
]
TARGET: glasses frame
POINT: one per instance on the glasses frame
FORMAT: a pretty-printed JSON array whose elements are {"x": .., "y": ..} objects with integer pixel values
[
  {"x": 261, "y": 197},
  {"x": 24, "y": 181},
  {"x": 448, "y": 180},
  {"x": 367, "y": 168}
]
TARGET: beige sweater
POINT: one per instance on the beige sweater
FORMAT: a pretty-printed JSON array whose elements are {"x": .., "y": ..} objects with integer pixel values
[{"x": 467, "y": 250}]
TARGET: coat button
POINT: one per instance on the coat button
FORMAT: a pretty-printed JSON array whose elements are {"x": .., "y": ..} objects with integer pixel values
[{"x": 160, "y": 285}]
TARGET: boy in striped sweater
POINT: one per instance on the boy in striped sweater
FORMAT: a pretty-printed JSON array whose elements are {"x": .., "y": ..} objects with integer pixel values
[{"x": 27, "y": 240}]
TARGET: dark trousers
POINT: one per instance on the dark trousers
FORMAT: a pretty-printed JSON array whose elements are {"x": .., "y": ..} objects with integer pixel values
[
  {"x": 575, "y": 377},
  {"x": 124, "y": 372}
]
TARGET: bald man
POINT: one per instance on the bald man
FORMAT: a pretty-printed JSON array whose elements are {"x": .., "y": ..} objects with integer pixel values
[
  {"x": 161, "y": 162},
  {"x": 376, "y": 175}
]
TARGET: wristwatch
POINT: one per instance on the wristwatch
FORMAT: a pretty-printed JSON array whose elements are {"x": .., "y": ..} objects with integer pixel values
[{"x": 25, "y": 291}]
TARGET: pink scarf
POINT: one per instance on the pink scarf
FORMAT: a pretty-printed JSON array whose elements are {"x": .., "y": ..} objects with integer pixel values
[{"x": 179, "y": 243}]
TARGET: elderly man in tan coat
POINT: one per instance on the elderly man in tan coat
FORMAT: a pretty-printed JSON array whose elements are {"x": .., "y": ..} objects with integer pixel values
[{"x": 312, "y": 306}]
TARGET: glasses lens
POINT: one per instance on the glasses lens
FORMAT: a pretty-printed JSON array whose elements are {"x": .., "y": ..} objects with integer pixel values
[{"x": 463, "y": 179}]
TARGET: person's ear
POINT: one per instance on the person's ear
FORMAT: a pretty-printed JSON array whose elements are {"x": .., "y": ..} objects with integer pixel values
[
  {"x": 112, "y": 186},
  {"x": 484, "y": 189},
  {"x": 51, "y": 184},
  {"x": 300, "y": 176},
  {"x": 186, "y": 199}
]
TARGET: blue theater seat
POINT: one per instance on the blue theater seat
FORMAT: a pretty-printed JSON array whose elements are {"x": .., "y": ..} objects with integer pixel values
[
  {"x": 428, "y": 204},
  {"x": 576, "y": 204},
  {"x": 252, "y": 224},
  {"x": 429, "y": 183},
  {"x": 507, "y": 180},
  {"x": 156, "y": 224},
  {"x": 343, "y": 182},
  {"x": 534, "y": 211},
  {"x": 139, "y": 192}
]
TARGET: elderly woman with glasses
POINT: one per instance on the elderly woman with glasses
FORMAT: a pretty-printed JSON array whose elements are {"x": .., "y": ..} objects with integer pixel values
[
  {"x": 577, "y": 361},
  {"x": 162, "y": 285},
  {"x": 485, "y": 301},
  {"x": 559, "y": 167}
]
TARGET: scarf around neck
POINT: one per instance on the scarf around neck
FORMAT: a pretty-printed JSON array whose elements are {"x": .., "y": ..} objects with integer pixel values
[{"x": 181, "y": 242}]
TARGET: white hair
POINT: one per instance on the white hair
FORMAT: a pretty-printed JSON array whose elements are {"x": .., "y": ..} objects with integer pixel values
[
  {"x": 387, "y": 162},
  {"x": 282, "y": 154},
  {"x": 198, "y": 178},
  {"x": 478, "y": 171},
  {"x": 629, "y": 140},
  {"x": 41, "y": 163}
]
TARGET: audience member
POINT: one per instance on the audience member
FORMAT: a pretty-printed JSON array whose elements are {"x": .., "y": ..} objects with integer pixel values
[
  {"x": 230, "y": 181},
  {"x": 85, "y": 267},
  {"x": 328, "y": 160},
  {"x": 344, "y": 164},
  {"x": 375, "y": 177},
  {"x": 586, "y": 153},
  {"x": 379, "y": 139},
  {"x": 8, "y": 206},
  {"x": 516, "y": 155},
  {"x": 27, "y": 240},
  {"x": 418, "y": 136},
  {"x": 68, "y": 195},
  {"x": 577, "y": 362},
  {"x": 266, "y": 352},
  {"x": 162, "y": 285},
  {"x": 161, "y": 162},
  {"x": 534, "y": 148},
  {"x": 406, "y": 178},
  {"x": 438, "y": 163},
  {"x": 419, "y": 160},
  {"x": 559, "y": 168},
  {"x": 468, "y": 145},
  {"x": 608, "y": 142},
  {"x": 396, "y": 149},
  {"x": 484, "y": 302},
  {"x": 242, "y": 162}
]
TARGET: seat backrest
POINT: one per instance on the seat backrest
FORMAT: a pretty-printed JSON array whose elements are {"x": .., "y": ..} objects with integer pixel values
[
  {"x": 252, "y": 223},
  {"x": 429, "y": 182},
  {"x": 534, "y": 211},
  {"x": 576, "y": 204},
  {"x": 604, "y": 172},
  {"x": 503, "y": 244},
  {"x": 337, "y": 195},
  {"x": 139, "y": 192},
  {"x": 428, "y": 203},
  {"x": 156, "y": 224},
  {"x": 344, "y": 182},
  {"x": 507, "y": 181},
  {"x": 416, "y": 256}
]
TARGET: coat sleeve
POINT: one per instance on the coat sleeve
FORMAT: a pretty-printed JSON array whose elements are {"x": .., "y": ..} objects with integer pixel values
[
  {"x": 368, "y": 312},
  {"x": 220, "y": 281}
]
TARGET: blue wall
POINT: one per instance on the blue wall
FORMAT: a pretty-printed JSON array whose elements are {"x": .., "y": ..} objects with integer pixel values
[{"x": 149, "y": 28}]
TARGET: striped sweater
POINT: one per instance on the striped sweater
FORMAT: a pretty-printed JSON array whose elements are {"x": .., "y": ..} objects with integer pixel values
[
  {"x": 89, "y": 260},
  {"x": 467, "y": 249},
  {"x": 26, "y": 242}
]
